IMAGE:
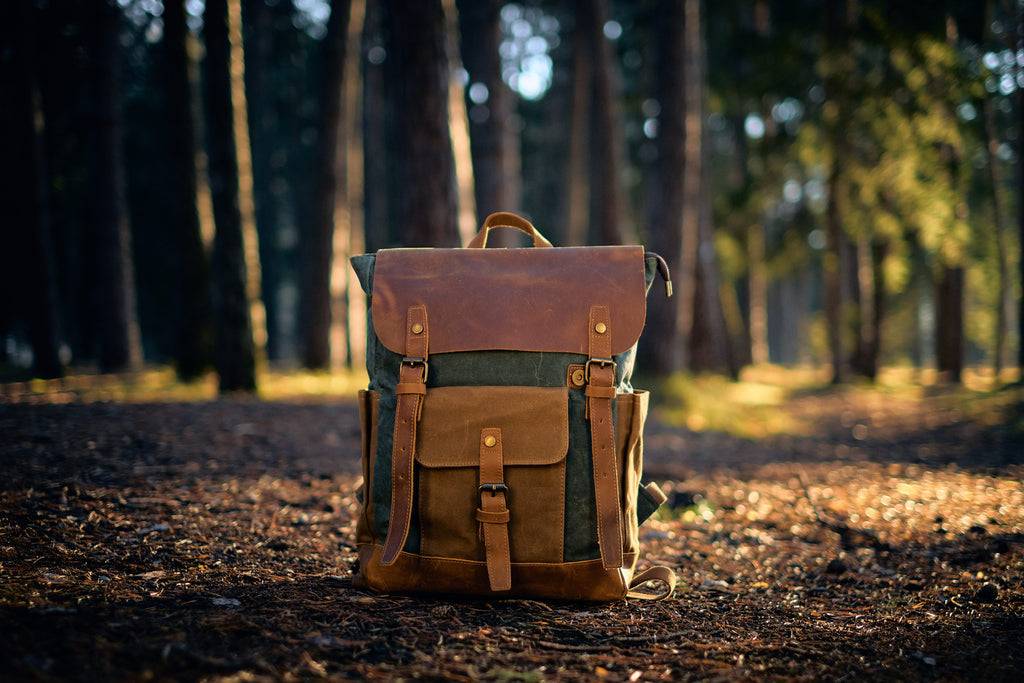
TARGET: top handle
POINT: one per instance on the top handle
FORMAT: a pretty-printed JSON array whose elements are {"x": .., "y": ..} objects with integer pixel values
[{"x": 503, "y": 219}]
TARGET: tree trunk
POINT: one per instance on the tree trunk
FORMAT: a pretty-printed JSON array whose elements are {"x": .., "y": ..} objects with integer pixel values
[
  {"x": 30, "y": 197},
  {"x": 998, "y": 215},
  {"x": 491, "y": 137},
  {"x": 348, "y": 304},
  {"x": 378, "y": 188},
  {"x": 192, "y": 347},
  {"x": 863, "y": 363},
  {"x": 1003, "y": 298},
  {"x": 234, "y": 349},
  {"x": 119, "y": 339},
  {"x": 417, "y": 62},
  {"x": 577, "y": 216},
  {"x": 832, "y": 276},
  {"x": 606, "y": 142},
  {"x": 879, "y": 251},
  {"x": 758, "y": 295},
  {"x": 1020, "y": 203},
  {"x": 666, "y": 346},
  {"x": 272, "y": 159},
  {"x": 711, "y": 349},
  {"x": 949, "y": 329},
  {"x": 330, "y": 195},
  {"x": 710, "y": 345},
  {"x": 871, "y": 305},
  {"x": 246, "y": 190},
  {"x": 836, "y": 62}
]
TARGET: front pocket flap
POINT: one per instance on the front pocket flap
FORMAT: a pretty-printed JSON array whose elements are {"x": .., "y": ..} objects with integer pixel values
[{"x": 534, "y": 424}]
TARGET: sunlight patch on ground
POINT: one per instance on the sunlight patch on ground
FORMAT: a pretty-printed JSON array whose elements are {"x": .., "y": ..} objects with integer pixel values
[
  {"x": 161, "y": 385},
  {"x": 714, "y": 403},
  {"x": 771, "y": 400}
]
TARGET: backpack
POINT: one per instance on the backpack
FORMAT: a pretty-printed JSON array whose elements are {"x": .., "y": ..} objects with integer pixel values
[{"x": 502, "y": 440}]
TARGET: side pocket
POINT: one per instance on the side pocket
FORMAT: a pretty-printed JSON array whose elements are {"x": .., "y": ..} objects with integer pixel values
[
  {"x": 631, "y": 414},
  {"x": 369, "y": 404}
]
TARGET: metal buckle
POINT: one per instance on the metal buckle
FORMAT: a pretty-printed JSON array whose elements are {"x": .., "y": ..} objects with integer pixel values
[
  {"x": 602, "y": 362},
  {"x": 417, "y": 361},
  {"x": 493, "y": 488}
]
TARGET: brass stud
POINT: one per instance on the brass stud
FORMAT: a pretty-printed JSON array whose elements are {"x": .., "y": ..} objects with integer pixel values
[
  {"x": 600, "y": 328},
  {"x": 417, "y": 328},
  {"x": 578, "y": 378},
  {"x": 489, "y": 441}
]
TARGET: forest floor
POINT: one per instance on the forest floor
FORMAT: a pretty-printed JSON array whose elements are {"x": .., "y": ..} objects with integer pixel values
[{"x": 870, "y": 535}]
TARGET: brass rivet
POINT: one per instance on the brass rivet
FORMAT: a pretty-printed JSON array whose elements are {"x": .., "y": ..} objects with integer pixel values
[
  {"x": 600, "y": 328},
  {"x": 577, "y": 377},
  {"x": 417, "y": 329},
  {"x": 490, "y": 441}
]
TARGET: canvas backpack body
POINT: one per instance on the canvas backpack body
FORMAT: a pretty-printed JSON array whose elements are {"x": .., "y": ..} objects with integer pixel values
[{"x": 502, "y": 438}]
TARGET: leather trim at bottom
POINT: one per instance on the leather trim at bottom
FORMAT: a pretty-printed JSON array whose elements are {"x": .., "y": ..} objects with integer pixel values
[{"x": 586, "y": 580}]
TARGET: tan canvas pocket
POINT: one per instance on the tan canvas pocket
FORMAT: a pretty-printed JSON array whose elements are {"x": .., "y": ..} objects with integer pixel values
[
  {"x": 631, "y": 413},
  {"x": 369, "y": 403},
  {"x": 534, "y": 424}
]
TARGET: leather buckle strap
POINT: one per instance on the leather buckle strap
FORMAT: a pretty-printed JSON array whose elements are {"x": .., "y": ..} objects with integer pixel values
[
  {"x": 493, "y": 488},
  {"x": 602, "y": 362},
  {"x": 411, "y": 391},
  {"x": 493, "y": 513},
  {"x": 600, "y": 393},
  {"x": 417, "y": 362}
]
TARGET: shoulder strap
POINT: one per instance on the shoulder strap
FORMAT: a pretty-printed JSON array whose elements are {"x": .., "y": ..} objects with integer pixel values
[
  {"x": 600, "y": 392},
  {"x": 411, "y": 390}
]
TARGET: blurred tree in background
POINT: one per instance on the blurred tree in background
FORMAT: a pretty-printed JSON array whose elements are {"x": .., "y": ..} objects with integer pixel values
[{"x": 832, "y": 183}]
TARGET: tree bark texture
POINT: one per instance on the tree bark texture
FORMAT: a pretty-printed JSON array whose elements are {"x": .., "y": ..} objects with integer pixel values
[
  {"x": 234, "y": 349},
  {"x": 606, "y": 142},
  {"x": 34, "y": 275},
  {"x": 577, "y": 214},
  {"x": 871, "y": 305},
  {"x": 998, "y": 214},
  {"x": 417, "y": 67},
  {"x": 331, "y": 177},
  {"x": 118, "y": 336},
  {"x": 273, "y": 158},
  {"x": 757, "y": 279},
  {"x": 379, "y": 190},
  {"x": 835, "y": 62},
  {"x": 832, "y": 277},
  {"x": 666, "y": 345},
  {"x": 193, "y": 343},
  {"x": 710, "y": 349},
  {"x": 1020, "y": 202},
  {"x": 491, "y": 138},
  {"x": 348, "y": 304},
  {"x": 949, "y": 321}
]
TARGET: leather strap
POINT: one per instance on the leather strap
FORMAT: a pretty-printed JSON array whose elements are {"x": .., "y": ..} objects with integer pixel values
[
  {"x": 600, "y": 393},
  {"x": 493, "y": 514},
  {"x": 662, "y": 574},
  {"x": 411, "y": 390}
]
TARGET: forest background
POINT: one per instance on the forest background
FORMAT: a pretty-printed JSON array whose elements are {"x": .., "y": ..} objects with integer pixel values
[{"x": 833, "y": 184}]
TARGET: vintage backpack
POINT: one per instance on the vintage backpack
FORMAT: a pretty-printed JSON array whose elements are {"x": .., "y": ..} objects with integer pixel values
[{"x": 502, "y": 440}]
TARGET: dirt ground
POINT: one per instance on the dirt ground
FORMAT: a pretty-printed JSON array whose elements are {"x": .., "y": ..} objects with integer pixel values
[{"x": 213, "y": 541}]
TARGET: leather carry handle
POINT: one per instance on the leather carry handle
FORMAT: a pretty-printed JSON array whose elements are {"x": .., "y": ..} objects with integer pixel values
[{"x": 503, "y": 219}]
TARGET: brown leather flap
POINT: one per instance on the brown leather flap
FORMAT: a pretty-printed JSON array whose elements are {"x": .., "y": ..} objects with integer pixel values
[
  {"x": 534, "y": 424},
  {"x": 510, "y": 299}
]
